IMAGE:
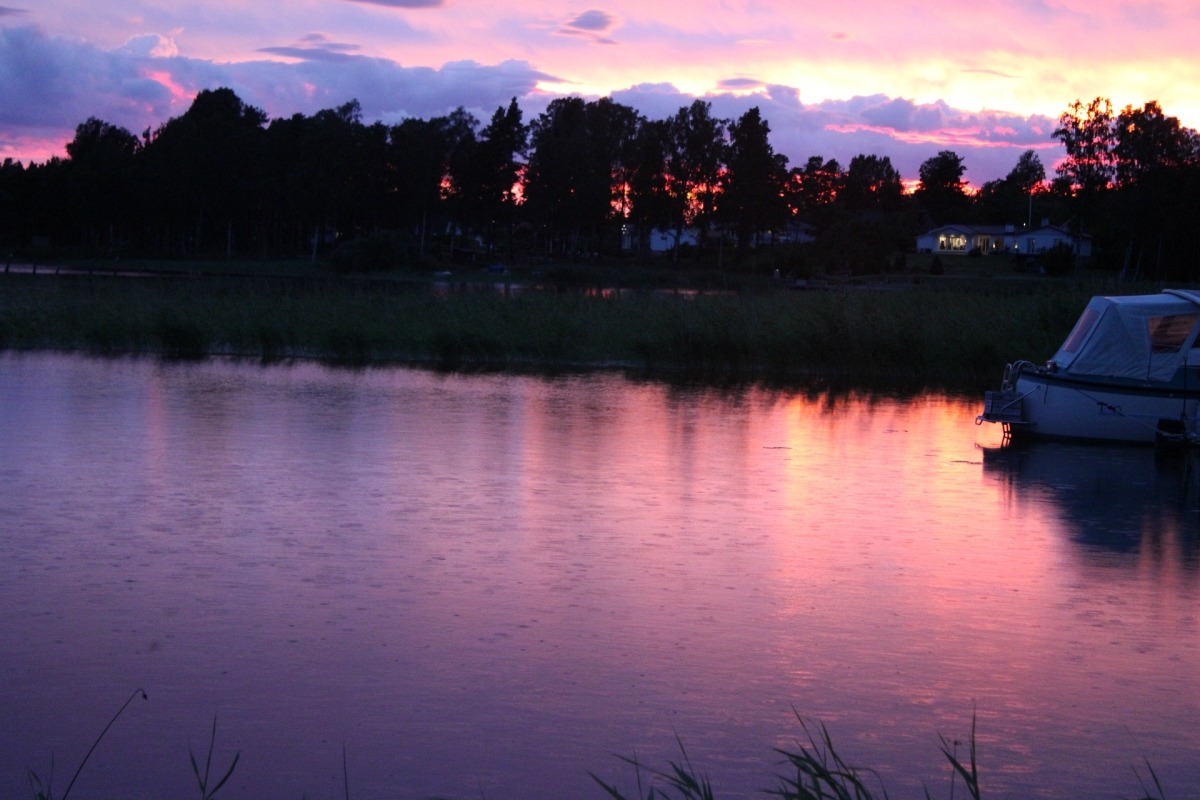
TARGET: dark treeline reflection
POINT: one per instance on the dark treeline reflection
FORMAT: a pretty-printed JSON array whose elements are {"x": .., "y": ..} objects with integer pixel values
[{"x": 582, "y": 178}]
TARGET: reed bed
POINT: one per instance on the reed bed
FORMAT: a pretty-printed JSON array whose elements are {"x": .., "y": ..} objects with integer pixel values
[{"x": 946, "y": 338}]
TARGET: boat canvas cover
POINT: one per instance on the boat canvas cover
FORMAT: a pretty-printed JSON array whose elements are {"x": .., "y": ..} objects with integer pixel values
[{"x": 1139, "y": 336}]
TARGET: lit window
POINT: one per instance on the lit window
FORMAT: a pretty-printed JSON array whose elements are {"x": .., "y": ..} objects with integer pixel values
[{"x": 1168, "y": 333}]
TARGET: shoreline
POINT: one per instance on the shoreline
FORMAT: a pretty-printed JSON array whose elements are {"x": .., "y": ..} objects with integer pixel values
[{"x": 944, "y": 337}]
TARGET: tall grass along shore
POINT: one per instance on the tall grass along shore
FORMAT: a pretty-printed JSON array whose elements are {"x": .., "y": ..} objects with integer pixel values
[{"x": 933, "y": 336}]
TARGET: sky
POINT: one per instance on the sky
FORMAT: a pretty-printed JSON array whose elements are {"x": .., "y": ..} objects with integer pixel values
[{"x": 833, "y": 78}]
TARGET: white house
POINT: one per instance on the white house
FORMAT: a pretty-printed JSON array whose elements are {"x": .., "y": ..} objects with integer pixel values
[
  {"x": 660, "y": 240},
  {"x": 1001, "y": 239},
  {"x": 1036, "y": 240}
]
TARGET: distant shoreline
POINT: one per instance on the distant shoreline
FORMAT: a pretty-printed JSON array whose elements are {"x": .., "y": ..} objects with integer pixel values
[{"x": 930, "y": 334}]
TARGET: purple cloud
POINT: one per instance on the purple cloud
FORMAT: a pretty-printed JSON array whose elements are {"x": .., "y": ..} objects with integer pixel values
[
  {"x": 306, "y": 53},
  {"x": 592, "y": 21},
  {"x": 740, "y": 83},
  {"x": 51, "y": 85},
  {"x": 908, "y": 133},
  {"x": 904, "y": 115},
  {"x": 5, "y": 11},
  {"x": 592, "y": 25},
  {"x": 47, "y": 83},
  {"x": 314, "y": 47}
]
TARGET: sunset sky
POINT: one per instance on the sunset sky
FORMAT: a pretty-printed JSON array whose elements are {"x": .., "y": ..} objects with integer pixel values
[{"x": 901, "y": 78}]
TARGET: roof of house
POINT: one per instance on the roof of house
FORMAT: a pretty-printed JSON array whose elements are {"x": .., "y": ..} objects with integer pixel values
[{"x": 1002, "y": 230}]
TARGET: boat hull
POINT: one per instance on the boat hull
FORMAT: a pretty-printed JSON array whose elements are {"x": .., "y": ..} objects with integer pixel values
[
  {"x": 1064, "y": 407},
  {"x": 1129, "y": 371}
]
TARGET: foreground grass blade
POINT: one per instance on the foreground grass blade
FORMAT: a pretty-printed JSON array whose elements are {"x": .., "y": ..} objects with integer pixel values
[
  {"x": 681, "y": 777},
  {"x": 969, "y": 773},
  {"x": 42, "y": 791},
  {"x": 821, "y": 773},
  {"x": 1158, "y": 793},
  {"x": 121, "y": 710},
  {"x": 202, "y": 780}
]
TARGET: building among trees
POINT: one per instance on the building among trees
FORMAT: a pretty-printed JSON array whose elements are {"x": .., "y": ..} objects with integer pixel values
[{"x": 1009, "y": 240}]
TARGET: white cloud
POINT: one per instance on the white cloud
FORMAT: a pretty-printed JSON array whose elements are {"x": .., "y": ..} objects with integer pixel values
[{"x": 150, "y": 45}]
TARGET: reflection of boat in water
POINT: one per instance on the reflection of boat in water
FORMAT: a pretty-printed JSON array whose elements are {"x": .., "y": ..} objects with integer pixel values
[
  {"x": 1112, "y": 496},
  {"x": 1128, "y": 372}
]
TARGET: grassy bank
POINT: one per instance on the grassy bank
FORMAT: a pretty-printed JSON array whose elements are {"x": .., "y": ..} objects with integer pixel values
[{"x": 931, "y": 335}]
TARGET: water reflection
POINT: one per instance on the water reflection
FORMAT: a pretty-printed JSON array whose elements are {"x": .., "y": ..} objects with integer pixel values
[
  {"x": 485, "y": 585},
  {"x": 1120, "y": 499}
]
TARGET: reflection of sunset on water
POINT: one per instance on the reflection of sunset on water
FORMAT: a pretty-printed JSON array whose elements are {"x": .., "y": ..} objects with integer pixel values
[{"x": 498, "y": 581}]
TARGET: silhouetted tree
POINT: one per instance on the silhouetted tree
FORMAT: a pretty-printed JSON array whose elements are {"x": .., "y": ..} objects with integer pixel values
[
  {"x": 1028, "y": 175},
  {"x": 329, "y": 175},
  {"x": 579, "y": 151},
  {"x": 1087, "y": 135},
  {"x": 484, "y": 173},
  {"x": 871, "y": 221},
  {"x": 651, "y": 205},
  {"x": 1147, "y": 140},
  {"x": 942, "y": 192},
  {"x": 812, "y": 191},
  {"x": 290, "y": 196},
  {"x": 202, "y": 171},
  {"x": 1158, "y": 192},
  {"x": 563, "y": 193},
  {"x": 615, "y": 127},
  {"x": 420, "y": 154},
  {"x": 218, "y": 179},
  {"x": 752, "y": 189},
  {"x": 100, "y": 169},
  {"x": 12, "y": 201},
  {"x": 695, "y": 146},
  {"x": 871, "y": 184},
  {"x": 1010, "y": 199}
]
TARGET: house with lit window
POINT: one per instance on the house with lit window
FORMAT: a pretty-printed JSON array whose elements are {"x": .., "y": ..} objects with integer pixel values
[{"x": 1002, "y": 239}]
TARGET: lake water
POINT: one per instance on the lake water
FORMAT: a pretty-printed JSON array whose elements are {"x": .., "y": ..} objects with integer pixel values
[{"x": 479, "y": 586}]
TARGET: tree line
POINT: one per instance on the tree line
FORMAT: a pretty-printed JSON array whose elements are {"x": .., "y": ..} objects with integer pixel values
[{"x": 584, "y": 177}]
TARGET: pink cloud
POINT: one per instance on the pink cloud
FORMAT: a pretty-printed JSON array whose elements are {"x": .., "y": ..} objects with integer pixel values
[
  {"x": 402, "y": 3},
  {"x": 164, "y": 79}
]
